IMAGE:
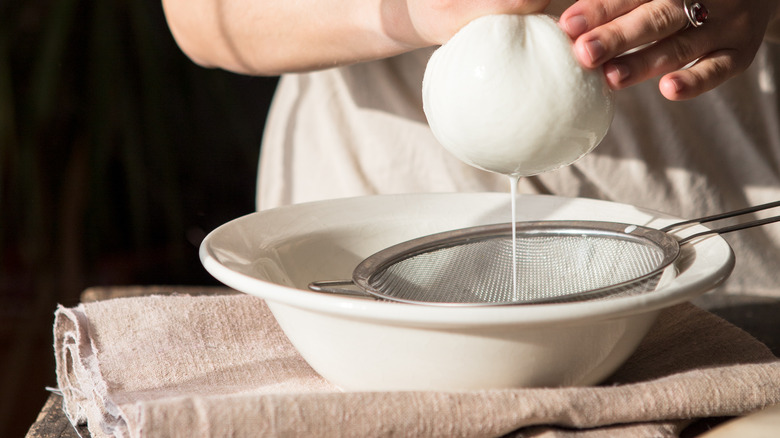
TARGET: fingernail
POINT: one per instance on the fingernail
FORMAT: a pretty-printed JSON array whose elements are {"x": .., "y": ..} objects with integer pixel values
[
  {"x": 677, "y": 85},
  {"x": 575, "y": 26},
  {"x": 595, "y": 50},
  {"x": 671, "y": 88},
  {"x": 616, "y": 72}
]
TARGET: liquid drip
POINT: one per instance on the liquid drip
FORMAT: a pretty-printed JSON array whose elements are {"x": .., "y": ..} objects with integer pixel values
[{"x": 514, "y": 180}]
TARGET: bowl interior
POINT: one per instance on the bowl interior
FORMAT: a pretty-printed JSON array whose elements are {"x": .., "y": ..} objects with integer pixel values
[{"x": 275, "y": 254}]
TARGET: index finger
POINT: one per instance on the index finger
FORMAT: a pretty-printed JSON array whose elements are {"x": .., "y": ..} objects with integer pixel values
[{"x": 585, "y": 15}]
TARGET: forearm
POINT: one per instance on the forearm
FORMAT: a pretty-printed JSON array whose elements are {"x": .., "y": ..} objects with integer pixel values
[
  {"x": 266, "y": 38},
  {"x": 271, "y": 37}
]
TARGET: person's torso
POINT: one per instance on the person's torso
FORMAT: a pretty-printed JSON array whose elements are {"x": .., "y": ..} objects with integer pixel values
[{"x": 360, "y": 130}]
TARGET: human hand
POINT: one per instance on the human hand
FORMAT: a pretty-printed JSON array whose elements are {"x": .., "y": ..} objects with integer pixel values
[{"x": 656, "y": 31}]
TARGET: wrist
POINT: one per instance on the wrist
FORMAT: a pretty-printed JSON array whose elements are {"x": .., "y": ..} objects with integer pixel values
[{"x": 398, "y": 26}]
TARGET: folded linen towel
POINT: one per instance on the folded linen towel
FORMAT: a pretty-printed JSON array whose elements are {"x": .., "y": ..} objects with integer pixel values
[{"x": 220, "y": 366}]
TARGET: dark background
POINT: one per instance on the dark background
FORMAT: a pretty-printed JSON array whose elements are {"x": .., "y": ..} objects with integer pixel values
[{"x": 117, "y": 156}]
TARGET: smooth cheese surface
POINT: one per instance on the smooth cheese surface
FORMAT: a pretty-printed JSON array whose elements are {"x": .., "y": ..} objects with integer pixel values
[{"x": 506, "y": 95}]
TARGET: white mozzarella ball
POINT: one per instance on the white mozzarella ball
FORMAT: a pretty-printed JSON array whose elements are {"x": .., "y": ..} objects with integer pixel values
[{"x": 506, "y": 94}]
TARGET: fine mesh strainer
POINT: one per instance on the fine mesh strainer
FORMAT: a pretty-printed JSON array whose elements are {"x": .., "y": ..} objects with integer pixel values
[{"x": 554, "y": 261}]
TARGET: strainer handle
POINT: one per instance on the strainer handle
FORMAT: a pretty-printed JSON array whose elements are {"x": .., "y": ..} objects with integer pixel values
[
  {"x": 726, "y": 215},
  {"x": 336, "y": 287},
  {"x": 737, "y": 227},
  {"x": 730, "y": 228}
]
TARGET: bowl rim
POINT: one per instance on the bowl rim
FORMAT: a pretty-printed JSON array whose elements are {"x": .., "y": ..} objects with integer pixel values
[{"x": 693, "y": 281}]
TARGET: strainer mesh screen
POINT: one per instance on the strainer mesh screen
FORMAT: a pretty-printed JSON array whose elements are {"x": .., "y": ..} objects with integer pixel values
[{"x": 549, "y": 268}]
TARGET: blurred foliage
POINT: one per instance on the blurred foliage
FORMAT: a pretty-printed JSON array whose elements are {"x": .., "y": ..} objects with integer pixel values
[{"x": 117, "y": 155}]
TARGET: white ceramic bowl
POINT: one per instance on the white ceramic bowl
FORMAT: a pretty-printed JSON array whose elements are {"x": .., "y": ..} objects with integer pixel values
[{"x": 362, "y": 344}]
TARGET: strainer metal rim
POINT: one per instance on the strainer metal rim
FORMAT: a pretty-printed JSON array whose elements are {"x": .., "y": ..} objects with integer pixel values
[
  {"x": 668, "y": 245},
  {"x": 231, "y": 251}
]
